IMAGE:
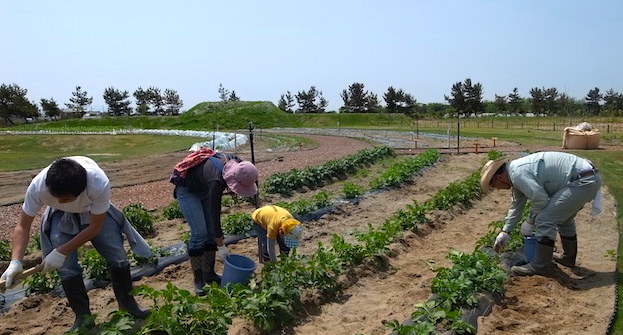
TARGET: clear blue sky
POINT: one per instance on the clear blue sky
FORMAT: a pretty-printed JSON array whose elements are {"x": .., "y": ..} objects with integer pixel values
[{"x": 261, "y": 49}]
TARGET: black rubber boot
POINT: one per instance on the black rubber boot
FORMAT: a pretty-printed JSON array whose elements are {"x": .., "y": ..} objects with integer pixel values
[
  {"x": 209, "y": 274},
  {"x": 78, "y": 300},
  {"x": 542, "y": 262},
  {"x": 569, "y": 251},
  {"x": 122, "y": 285},
  {"x": 197, "y": 266}
]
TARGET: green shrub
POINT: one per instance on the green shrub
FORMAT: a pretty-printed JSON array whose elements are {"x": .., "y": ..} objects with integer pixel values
[
  {"x": 94, "y": 264},
  {"x": 185, "y": 237},
  {"x": 237, "y": 224},
  {"x": 173, "y": 211},
  {"x": 140, "y": 218},
  {"x": 34, "y": 245},
  {"x": 5, "y": 250},
  {"x": 228, "y": 201},
  {"x": 180, "y": 313},
  {"x": 152, "y": 260},
  {"x": 41, "y": 282},
  {"x": 351, "y": 190},
  {"x": 471, "y": 274},
  {"x": 322, "y": 199}
]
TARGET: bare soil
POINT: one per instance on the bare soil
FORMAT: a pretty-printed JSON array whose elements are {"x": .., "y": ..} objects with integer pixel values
[{"x": 571, "y": 302}]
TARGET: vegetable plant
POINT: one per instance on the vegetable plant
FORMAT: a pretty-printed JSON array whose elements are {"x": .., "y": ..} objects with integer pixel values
[
  {"x": 140, "y": 218},
  {"x": 34, "y": 244},
  {"x": 313, "y": 176},
  {"x": 276, "y": 299},
  {"x": 94, "y": 265},
  {"x": 5, "y": 251},
  {"x": 471, "y": 274},
  {"x": 41, "y": 282},
  {"x": 349, "y": 254},
  {"x": 237, "y": 224},
  {"x": 351, "y": 190},
  {"x": 305, "y": 206},
  {"x": 179, "y": 312},
  {"x": 151, "y": 260},
  {"x": 172, "y": 211}
]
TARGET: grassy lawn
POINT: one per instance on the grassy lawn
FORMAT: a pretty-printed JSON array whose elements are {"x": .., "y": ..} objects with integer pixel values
[{"x": 20, "y": 152}]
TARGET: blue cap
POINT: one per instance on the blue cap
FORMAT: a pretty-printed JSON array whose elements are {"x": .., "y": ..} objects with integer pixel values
[{"x": 293, "y": 238}]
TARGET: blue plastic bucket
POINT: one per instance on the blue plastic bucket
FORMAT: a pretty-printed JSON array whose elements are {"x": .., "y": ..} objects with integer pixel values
[
  {"x": 529, "y": 247},
  {"x": 237, "y": 269}
]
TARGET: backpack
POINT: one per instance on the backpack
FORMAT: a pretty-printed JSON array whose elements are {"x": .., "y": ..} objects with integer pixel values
[{"x": 180, "y": 170}]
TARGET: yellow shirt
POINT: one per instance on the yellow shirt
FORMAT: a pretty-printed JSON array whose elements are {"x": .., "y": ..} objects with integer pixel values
[{"x": 272, "y": 218}]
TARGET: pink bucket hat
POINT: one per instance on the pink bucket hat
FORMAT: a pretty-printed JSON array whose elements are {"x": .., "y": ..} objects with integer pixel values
[{"x": 241, "y": 177}]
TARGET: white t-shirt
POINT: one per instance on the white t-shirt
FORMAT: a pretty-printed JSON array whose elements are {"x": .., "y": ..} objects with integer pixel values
[{"x": 94, "y": 199}]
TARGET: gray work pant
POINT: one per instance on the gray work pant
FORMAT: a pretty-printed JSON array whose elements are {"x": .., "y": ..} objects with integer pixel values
[{"x": 559, "y": 214}]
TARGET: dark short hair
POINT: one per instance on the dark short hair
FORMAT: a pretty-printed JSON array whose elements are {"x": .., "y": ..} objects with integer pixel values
[
  {"x": 501, "y": 169},
  {"x": 66, "y": 177}
]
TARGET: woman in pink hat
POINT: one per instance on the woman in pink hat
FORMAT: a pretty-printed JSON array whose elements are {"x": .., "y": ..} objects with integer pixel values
[{"x": 207, "y": 174}]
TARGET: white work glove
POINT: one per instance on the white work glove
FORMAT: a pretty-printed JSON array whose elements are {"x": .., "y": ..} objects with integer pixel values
[
  {"x": 527, "y": 228},
  {"x": 223, "y": 252},
  {"x": 501, "y": 241},
  {"x": 53, "y": 261},
  {"x": 15, "y": 268}
]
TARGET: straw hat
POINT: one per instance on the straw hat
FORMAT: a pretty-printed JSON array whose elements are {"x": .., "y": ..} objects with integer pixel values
[{"x": 488, "y": 171}]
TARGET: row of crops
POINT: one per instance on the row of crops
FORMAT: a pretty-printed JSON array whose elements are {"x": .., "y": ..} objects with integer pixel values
[{"x": 275, "y": 300}]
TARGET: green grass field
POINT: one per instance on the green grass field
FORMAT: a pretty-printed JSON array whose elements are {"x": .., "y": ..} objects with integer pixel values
[{"x": 20, "y": 152}]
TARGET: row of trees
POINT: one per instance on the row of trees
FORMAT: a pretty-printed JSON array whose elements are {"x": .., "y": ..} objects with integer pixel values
[
  {"x": 465, "y": 99},
  {"x": 151, "y": 101},
  {"x": 356, "y": 100},
  {"x": 310, "y": 101}
]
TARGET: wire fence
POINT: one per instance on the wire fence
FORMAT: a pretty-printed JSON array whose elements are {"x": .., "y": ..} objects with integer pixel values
[
  {"x": 611, "y": 127},
  {"x": 606, "y": 127}
]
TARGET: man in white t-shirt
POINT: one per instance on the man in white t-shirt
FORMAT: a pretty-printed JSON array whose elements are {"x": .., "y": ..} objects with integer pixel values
[{"x": 76, "y": 192}]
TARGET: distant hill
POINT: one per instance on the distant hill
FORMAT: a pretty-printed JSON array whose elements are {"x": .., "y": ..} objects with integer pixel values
[
  {"x": 225, "y": 116},
  {"x": 238, "y": 114}
]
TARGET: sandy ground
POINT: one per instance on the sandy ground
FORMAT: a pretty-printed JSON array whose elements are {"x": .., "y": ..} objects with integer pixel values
[{"x": 578, "y": 302}]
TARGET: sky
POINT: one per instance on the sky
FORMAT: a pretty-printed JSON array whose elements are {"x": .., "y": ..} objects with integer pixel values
[{"x": 263, "y": 49}]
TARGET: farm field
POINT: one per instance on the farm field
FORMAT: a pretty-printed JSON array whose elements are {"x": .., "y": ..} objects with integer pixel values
[{"x": 579, "y": 302}]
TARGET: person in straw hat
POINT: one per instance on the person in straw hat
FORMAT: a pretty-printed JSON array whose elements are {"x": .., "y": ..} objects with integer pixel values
[{"x": 557, "y": 184}]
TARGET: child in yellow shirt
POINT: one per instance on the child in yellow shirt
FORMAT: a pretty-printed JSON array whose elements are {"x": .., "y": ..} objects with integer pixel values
[{"x": 275, "y": 224}]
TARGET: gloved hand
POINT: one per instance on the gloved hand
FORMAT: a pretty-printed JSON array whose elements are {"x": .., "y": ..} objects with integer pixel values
[
  {"x": 15, "y": 268},
  {"x": 53, "y": 261},
  {"x": 527, "y": 227},
  {"x": 223, "y": 252},
  {"x": 500, "y": 241}
]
